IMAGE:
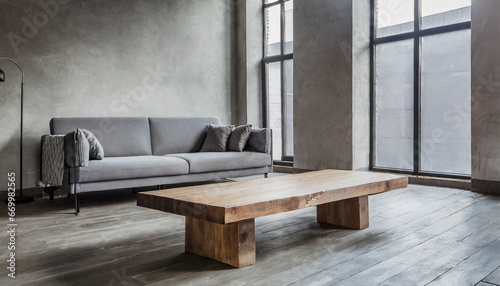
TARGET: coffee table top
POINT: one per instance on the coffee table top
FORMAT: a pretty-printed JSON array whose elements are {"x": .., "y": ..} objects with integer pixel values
[{"x": 236, "y": 201}]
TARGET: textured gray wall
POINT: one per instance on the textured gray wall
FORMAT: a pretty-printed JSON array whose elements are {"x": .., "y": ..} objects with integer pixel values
[
  {"x": 330, "y": 89},
  {"x": 111, "y": 58},
  {"x": 485, "y": 104}
]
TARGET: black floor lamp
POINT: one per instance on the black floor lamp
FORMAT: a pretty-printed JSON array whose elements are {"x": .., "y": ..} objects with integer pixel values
[{"x": 20, "y": 198}]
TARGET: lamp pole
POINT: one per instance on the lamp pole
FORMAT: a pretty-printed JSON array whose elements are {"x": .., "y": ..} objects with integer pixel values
[{"x": 21, "y": 198}]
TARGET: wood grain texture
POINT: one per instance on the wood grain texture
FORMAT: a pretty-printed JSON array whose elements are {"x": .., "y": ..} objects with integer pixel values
[
  {"x": 351, "y": 213},
  {"x": 233, "y": 244},
  {"x": 231, "y": 202},
  {"x": 220, "y": 221}
]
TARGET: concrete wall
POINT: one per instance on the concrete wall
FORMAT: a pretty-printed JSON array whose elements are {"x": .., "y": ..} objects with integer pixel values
[
  {"x": 485, "y": 104},
  {"x": 331, "y": 90},
  {"x": 111, "y": 58}
]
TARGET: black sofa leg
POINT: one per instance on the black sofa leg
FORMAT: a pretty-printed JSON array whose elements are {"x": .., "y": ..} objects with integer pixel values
[
  {"x": 50, "y": 191},
  {"x": 77, "y": 204},
  {"x": 266, "y": 175}
]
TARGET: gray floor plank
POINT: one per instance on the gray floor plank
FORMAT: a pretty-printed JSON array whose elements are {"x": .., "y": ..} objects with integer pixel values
[
  {"x": 445, "y": 259},
  {"x": 493, "y": 277},
  {"x": 485, "y": 284},
  {"x": 472, "y": 270},
  {"x": 380, "y": 264}
]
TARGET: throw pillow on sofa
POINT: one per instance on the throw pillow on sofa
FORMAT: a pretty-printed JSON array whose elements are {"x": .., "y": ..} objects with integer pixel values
[
  {"x": 257, "y": 141},
  {"x": 96, "y": 152},
  {"x": 217, "y": 137},
  {"x": 239, "y": 138},
  {"x": 76, "y": 148}
]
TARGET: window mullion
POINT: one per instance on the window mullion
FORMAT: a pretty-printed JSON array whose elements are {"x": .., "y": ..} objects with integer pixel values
[
  {"x": 283, "y": 95},
  {"x": 276, "y": 60},
  {"x": 416, "y": 86}
]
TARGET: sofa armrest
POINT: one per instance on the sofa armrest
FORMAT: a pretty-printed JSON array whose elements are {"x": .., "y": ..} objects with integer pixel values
[
  {"x": 76, "y": 149},
  {"x": 260, "y": 140}
]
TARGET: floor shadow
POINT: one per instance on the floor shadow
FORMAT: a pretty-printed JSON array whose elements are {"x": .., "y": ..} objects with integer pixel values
[{"x": 151, "y": 264}]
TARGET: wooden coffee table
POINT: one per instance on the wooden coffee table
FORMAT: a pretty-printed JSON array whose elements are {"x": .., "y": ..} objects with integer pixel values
[{"x": 220, "y": 218}]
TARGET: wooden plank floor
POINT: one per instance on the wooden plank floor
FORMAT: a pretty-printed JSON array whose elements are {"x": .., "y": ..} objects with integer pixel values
[{"x": 417, "y": 236}]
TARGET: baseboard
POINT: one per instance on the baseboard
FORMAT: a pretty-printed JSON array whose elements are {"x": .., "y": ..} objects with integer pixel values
[
  {"x": 425, "y": 181},
  {"x": 486, "y": 186},
  {"x": 282, "y": 169},
  {"x": 298, "y": 170},
  {"x": 440, "y": 182}
]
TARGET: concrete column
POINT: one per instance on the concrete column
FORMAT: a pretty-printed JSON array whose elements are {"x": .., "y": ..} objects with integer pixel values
[
  {"x": 331, "y": 84},
  {"x": 249, "y": 53},
  {"x": 485, "y": 104},
  {"x": 360, "y": 85}
]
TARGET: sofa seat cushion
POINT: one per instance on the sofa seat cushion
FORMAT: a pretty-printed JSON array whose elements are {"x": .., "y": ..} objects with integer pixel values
[
  {"x": 134, "y": 167},
  {"x": 203, "y": 162}
]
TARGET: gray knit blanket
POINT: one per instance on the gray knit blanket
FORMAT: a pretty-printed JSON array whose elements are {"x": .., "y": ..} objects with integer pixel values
[{"x": 52, "y": 160}]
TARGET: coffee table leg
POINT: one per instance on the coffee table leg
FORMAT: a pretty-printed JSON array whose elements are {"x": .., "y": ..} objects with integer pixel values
[
  {"x": 351, "y": 213},
  {"x": 233, "y": 243}
]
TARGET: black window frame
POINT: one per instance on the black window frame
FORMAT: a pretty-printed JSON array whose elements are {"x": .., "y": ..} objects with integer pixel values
[
  {"x": 416, "y": 35},
  {"x": 281, "y": 58}
]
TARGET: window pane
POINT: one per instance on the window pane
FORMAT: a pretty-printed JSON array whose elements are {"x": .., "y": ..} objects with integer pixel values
[
  {"x": 394, "y": 105},
  {"x": 289, "y": 27},
  {"x": 394, "y": 17},
  {"x": 274, "y": 97},
  {"x": 270, "y": 1},
  {"x": 288, "y": 109},
  {"x": 444, "y": 12},
  {"x": 446, "y": 103},
  {"x": 273, "y": 30}
]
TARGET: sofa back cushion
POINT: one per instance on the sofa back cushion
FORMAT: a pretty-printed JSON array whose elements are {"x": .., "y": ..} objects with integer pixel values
[
  {"x": 119, "y": 136},
  {"x": 171, "y": 135}
]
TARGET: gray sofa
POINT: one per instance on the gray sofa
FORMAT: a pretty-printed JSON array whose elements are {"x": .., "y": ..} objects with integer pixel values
[{"x": 142, "y": 151}]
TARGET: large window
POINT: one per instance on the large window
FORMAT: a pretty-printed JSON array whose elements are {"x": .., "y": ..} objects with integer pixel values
[
  {"x": 278, "y": 75},
  {"x": 422, "y": 87}
]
